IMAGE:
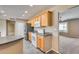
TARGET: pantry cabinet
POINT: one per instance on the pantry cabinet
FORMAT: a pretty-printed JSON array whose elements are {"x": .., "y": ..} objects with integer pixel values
[{"x": 46, "y": 19}]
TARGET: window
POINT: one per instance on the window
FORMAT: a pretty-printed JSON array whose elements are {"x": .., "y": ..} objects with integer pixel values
[{"x": 63, "y": 27}]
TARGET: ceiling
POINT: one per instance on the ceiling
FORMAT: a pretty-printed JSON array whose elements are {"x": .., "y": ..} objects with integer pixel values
[
  {"x": 18, "y": 11},
  {"x": 70, "y": 14}
]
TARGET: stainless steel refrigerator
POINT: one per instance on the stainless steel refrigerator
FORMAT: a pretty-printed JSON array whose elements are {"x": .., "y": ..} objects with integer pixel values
[{"x": 28, "y": 28}]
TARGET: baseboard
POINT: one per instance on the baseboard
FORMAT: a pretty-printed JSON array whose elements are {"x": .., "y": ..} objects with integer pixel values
[
  {"x": 41, "y": 50},
  {"x": 48, "y": 50},
  {"x": 56, "y": 51}
]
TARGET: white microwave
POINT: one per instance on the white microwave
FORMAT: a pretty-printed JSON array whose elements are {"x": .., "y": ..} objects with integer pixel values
[{"x": 37, "y": 24}]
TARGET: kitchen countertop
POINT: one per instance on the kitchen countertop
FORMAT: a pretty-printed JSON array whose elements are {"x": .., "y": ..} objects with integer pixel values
[{"x": 7, "y": 39}]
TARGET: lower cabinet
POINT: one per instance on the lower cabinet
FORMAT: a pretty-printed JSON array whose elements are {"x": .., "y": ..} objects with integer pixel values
[
  {"x": 44, "y": 43},
  {"x": 39, "y": 43}
]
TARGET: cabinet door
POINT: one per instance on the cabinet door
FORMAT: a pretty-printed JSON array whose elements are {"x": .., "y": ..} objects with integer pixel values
[
  {"x": 42, "y": 44},
  {"x": 29, "y": 22},
  {"x": 38, "y": 19},
  {"x": 30, "y": 36},
  {"x": 44, "y": 19},
  {"x": 32, "y": 22},
  {"x": 39, "y": 43},
  {"x": 48, "y": 43}
]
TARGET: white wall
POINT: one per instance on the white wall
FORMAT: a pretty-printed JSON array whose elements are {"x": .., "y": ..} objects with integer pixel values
[
  {"x": 3, "y": 28},
  {"x": 19, "y": 28},
  {"x": 70, "y": 13},
  {"x": 73, "y": 27},
  {"x": 54, "y": 29}
]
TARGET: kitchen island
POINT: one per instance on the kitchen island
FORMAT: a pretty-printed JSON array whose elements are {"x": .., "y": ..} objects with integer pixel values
[{"x": 11, "y": 44}]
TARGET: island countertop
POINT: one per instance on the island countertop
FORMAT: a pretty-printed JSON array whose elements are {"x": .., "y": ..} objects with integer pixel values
[{"x": 7, "y": 39}]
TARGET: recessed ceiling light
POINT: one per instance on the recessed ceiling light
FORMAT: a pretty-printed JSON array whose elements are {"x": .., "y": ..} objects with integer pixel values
[
  {"x": 31, "y": 5},
  {"x": 26, "y": 11},
  {"x": 2, "y": 11},
  {"x": 23, "y": 15},
  {"x": 5, "y": 15}
]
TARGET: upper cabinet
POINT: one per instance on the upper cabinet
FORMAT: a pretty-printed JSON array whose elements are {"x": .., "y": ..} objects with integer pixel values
[
  {"x": 42, "y": 20},
  {"x": 32, "y": 22},
  {"x": 29, "y": 21},
  {"x": 46, "y": 19},
  {"x": 37, "y": 21}
]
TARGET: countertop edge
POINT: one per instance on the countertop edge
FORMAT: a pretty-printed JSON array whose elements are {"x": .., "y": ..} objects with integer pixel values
[{"x": 12, "y": 40}]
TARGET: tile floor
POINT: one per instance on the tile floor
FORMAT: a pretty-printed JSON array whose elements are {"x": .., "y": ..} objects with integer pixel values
[{"x": 29, "y": 48}]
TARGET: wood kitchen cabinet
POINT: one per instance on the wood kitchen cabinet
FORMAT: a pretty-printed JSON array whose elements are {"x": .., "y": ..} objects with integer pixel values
[
  {"x": 32, "y": 22},
  {"x": 44, "y": 43},
  {"x": 46, "y": 19},
  {"x": 29, "y": 22},
  {"x": 37, "y": 21},
  {"x": 38, "y": 42},
  {"x": 30, "y": 36},
  {"x": 38, "y": 18}
]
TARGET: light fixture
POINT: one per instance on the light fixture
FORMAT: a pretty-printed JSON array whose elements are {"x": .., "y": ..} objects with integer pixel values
[
  {"x": 26, "y": 11},
  {"x": 2, "y": 11},
  {"x": 23, "y": 15}
]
